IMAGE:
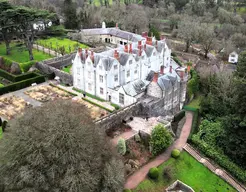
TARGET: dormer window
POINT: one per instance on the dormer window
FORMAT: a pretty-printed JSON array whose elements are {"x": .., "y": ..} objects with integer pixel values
[{"x": 154, "y": 53}]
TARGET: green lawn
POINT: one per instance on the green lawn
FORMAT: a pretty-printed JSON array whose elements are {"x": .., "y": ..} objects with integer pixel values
[
  {"x": 195, "y": 103},
  {"x": 20, "y": 55},
  {"x": 60, "y": 42},
  {"x": 67, "y": 69},
  {"x": 189, "y": 171}
]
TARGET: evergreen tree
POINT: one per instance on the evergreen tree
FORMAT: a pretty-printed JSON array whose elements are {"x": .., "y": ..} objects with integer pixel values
[{"x": 69, "y": 10}]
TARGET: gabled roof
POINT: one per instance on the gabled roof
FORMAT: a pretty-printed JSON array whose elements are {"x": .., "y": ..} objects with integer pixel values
[
  {"x": 164, "y": 82},
  {"x": 135, "y": 87},
  {"x": 179, "y": 186},
  {"x": 114, "y": 32}
]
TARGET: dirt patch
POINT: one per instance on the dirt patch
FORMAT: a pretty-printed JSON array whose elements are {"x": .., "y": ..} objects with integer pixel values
[{"x": 116, "y": 131}]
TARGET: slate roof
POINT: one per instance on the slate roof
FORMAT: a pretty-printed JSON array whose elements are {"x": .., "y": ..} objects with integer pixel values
[
  {"x": 114, "y": 32},
  {"x": 164, "y": 82},
  {"x": 135, "y": 87}
]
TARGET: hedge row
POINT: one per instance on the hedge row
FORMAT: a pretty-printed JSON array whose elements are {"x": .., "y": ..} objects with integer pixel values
[
  {"x": 21, "y": 84},
  {"x": 219, "y": 158},
  {"x": 195, "y": 120},
  {"x": 16, "y": 78},
  {"x": 177, "y": 61},
  {"x": 88, "y": 94},
  {"x": 179, "y": 116},
  {"x": 51, "y": 84},
  {"x": 88, "y": 100},
  {"x": 115, "y": 106}
]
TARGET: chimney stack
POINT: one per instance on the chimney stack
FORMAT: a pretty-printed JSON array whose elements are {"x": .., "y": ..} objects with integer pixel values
[
  {"x": 162, "y": 37},
  {"x": 130, "y": 48},
  {"x": 116, "y": 25},
  {"x": 155, "y": 78},
  {"x": 139, "y": 48},
  {"x": 182, "y": 75},
  {"x": 188, "y": 68},
  {"x": 92, "y": 56},
  {"x": 86, "y": 53},
  {"x": 171, "y": 69},
  {"x": 80, "y": 50},
  {"x": 116, "y": 54},
  {"x": 149, "y": 40},
  {"x": 162, "y": 70},
  {"x": 126, "y": 49}
]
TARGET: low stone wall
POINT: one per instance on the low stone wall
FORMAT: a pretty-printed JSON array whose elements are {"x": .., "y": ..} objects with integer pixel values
[
  {"x": 47, "y": 69},
  {"x": 116, "y": 118},
  {"x": 60, "y": 62}
]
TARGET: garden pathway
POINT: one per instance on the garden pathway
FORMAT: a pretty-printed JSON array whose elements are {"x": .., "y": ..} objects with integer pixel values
[
  {"x": 134, "y": 180},
  {"x": 104, "y": 104}
]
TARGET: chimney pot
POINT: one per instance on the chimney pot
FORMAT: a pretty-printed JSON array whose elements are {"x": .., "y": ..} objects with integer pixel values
[
  {"x": 80, "y": 50},
  {"x": 116, "y": 25},
  {"x": 188, "y": 68},
  {"x": 155, "y": 78},
  {"x": 162, "y": 70},
  {"x": 182, "y": 75},
  {"x": 130, "y": 48},
  {"x": 171, "y": 69}
]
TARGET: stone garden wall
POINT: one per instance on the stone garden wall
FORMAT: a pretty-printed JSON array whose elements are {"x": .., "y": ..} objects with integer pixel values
[
  {"x": 47, "y": 69},
  {"x": 60, "y": 62},
  {"x": 116, "y": 118}
]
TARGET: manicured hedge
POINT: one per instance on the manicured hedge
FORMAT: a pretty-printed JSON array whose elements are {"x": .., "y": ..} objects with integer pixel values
[
  {"x": 219, "y": 158},
  {"x": 21, "y": 84},
  {"x": 115, "y": 106},
  {"x": 88, "y": 100},
  {"x": 179, "y": 116},
  {"x": 153, "y": 173},
  {"x": 16, "y": 78},
  {"x": 177, "y": 61},
  {"x": 175, "y": 153}
]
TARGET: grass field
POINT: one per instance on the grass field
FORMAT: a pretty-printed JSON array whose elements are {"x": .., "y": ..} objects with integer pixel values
[
  {"x": 189, "y": 171},
  {"x": 21, "y": 55},
  {"x": 60, "y": 42}
]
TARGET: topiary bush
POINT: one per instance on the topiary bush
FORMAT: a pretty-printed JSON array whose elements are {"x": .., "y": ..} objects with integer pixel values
[
  {"x": 175, "y": 153},
  {"x": 153, "y": 173},
  {"x": 160, "y": 139},
  {"x": 121, "y": 146}
]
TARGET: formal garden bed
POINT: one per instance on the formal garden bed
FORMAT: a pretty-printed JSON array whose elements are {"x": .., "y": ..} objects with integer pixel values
[
  {"x": 137, "y": 154},
  {"x": 11, "y": 106},
  {"x": 56, "y": 43},
  {"x": 188, "y": 170}
]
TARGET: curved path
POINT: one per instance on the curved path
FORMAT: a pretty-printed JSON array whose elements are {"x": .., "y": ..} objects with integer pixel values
[{"x": 134, "y": 180}]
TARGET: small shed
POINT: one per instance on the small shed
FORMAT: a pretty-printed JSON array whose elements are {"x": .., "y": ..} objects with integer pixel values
[{"x": 233, "y": 57}]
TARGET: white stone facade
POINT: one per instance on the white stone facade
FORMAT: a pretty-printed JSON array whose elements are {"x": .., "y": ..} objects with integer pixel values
[{"x": 120, "y": 75}]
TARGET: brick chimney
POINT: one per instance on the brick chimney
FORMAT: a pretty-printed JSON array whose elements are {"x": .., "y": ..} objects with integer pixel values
[
  {"x": 116, "y": 54},
  {"x": 116, "y": 25},
  {"x": 139, "y": 48},
  {"x": 80, "y": 52},
  {"x": 86, "y": 53},
  {"x": 171, "y": 69},
  {"x": 188, "y": 68},
  {"x": 149, "y": 40},
  {"x": 126, "y": 49},
  {"x": 162, "y": 37},
  {"x": 182, "y": 75},
  {"x": 92, "y": 56},
  {"x": 130, "y": 51},
  {"x": 155, "y": 78},
  {"x": 162, "y": 70}
]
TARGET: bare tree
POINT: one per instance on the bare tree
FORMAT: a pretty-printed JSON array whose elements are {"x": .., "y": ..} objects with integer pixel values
[
  {"x": 187, "y": 30},
  {"x": 206, "y": 37},
  {"x": 56, "y": 148}
]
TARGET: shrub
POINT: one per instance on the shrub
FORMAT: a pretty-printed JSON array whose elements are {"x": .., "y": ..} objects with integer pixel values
[
  {"x": 153, "y": 173},
  {"x": 4, "y": 125},
  {"x": 121, "y": 146},
  {"x": 179, "y": 116},
  {"x": 177, "y": 61},
  {"x": 117, "y": 107},
  {"x": 137, "y": 138},
  {"x": 127, "y": 190},
  {"x": 193, "y": 84},
  {"x": 175, "y": 153},
  {"x": 160, "y": 139},
  {"x": 168, "y": 173}
]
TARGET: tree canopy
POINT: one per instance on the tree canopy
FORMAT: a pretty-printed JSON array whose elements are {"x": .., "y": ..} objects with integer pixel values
[{"x": 57, "y": 148}]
